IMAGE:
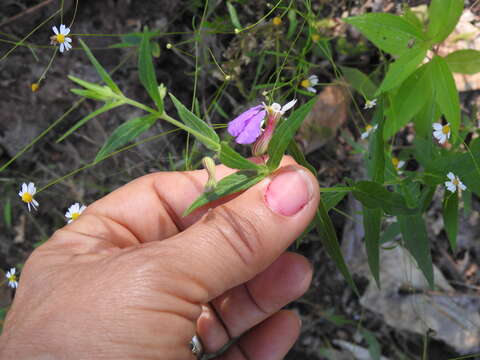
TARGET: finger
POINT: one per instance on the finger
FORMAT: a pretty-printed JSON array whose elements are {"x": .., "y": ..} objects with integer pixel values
[
  {"x": 237, "y": 240},
  {"x": 247, "y": 305},
  {"x": 271, "y": 340},
  {"x": 149, "y": 208}
]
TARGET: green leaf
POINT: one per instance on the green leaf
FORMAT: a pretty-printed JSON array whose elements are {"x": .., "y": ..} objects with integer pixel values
[
  {"x": 416, "y": 241},
  {"x": 285, "y": 133},
  {"x": 125, "y": 133},
  {"x": 390, "y": 233},
  {"x": 464, "y": 61},
  {"x": 233, "y": 15},
  {"x": 228, "y": 185},
  {"x": 374, "y": 196},
  {"x": 323, "y": 223},
  {"x": 373, "y": 344},
  {"x": 101, "y": 92},
  {"x": 376, "y": 151},
  {"x": 234, "y": 160},
  {"x": 331, "y": 199},
  {"x": 100, "y": 70},
  {"x": 328, "y": 237},
  {"x": 443, "y": 17},
  {"x": 409, "y": 100},
  {"x": 450, "y": 217},
  {"x": 388, "y": 32},
  {"x": 429, "y": 113},
  {"x": 402, "y": 68},
  {"x": 292, "y": 23},
  {"x": 147, "y": 72},
  {"x": 210, "y": 138},
  {"x": 7, "y": 214},
  {"x": 412, "y": 18},
  {"x": 359, "y": 81},
  {"x": 446, "y": 92},
  {"x": 371, "y": 223},
  {"x": 101, "y": 110}
]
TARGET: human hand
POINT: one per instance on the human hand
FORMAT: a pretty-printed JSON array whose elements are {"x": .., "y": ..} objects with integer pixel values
[{"x": 133, "y": 279}]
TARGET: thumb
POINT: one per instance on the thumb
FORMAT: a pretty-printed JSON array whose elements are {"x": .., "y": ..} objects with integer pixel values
[{"x": 240, "y": 238}]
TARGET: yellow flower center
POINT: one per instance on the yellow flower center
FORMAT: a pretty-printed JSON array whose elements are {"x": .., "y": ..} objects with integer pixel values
[
  {"x": 277, "y": 21},
  {"x": 12, "y": 277},
  {"x": 446, "y": 129},
  {"x": 315, "y": 37},
  {"x": 395, "y": 161},
  {"x": 60, "y": 38},
  {"x": 305, "y": 83},
  {"x": 35, "y": 87},
  {"x": 455, "y": 182},
  {"x": 75, "y": 216},
  {"x": 27, "y": 197},
  {"x": 368, "y": 128}
]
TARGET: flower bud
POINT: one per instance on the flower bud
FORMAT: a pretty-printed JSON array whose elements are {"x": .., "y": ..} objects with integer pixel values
[{"x": 209, "y": 165}]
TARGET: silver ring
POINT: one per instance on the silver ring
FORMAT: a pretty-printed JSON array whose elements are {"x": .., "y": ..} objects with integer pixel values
[{"x": 196, "y": 347}]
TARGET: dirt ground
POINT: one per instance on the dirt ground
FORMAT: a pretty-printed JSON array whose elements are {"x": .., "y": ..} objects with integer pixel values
[{"x": 330, "y": 311}]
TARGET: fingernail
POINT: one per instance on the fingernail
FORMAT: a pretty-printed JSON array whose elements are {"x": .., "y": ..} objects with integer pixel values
[{"x": 289, "y": 191}]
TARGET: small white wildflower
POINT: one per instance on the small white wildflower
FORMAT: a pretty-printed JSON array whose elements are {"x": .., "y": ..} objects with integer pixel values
[
  {"x": 12, "y": 278},
  {"x": 441, "y": 132},
  {"x": 26, "y": 193},
  {"x": 368, "y": 130},
  {"x": 397, "y": 164},
  {"x": 310, "y": 83},
  {"x": 74, "y": 211},
  {"x": 370, "y": 103},
  {"x": 454, "y": 183},
  {"x": 61, "y": 38}
]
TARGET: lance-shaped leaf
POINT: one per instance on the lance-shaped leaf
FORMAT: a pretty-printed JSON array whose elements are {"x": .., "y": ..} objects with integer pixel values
[
  {"x": 231, "y": 184},
  {"x": 100, "y": 70},
  {"x": 402, "y": 68},
  {"x": 443, "y": 17},
  {"x": 125, "y": 133},
  {"x": 374, "y": 196},
  {"x": 415, "y": 238},
  {"x": 234, "y": 160},
  {"x": 450, "y": 217},
  {"x": 101, "y": 110},
  {"x": 446, "y": 92},
  {"x": 322, "y": 221},
  {"x": 464, "y": 61},
  {"x": 233, "y": 15},
  {"x": 208, "y": 136},
  {"x": 388, "y": 32},
  {"x": 285, "y": 133},
  {"x": 359, "y": 81},
  {"x": 147, "y": 72},
  {"x": 371, "y": 223}
]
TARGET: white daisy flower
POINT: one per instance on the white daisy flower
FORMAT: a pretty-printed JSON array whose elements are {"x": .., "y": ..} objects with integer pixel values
[
  {"x": 368, "y": 130},
  {"x": 12, "y": 278},
  {"x": 370, "y": 103},
  {"x": 74, "y": 211},
  {"x": 61, "y": 38},
  {"x": 397, "y": 163},
  {"x": 309, "y": 83},
  {"x": 454, "y": 183},
  {"x": 26, "y": 193},
  {"x": 441, "y": 132}
]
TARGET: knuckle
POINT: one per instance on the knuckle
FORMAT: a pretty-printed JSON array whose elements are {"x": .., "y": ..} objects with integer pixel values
[{"x": 238, "y": 231}]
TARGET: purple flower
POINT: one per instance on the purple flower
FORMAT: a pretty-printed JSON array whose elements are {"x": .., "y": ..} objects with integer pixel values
[{"x": 246, "y": 127}]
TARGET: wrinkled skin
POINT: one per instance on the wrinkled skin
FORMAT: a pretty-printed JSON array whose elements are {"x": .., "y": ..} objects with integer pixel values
[{"x": 129, "y": 279}]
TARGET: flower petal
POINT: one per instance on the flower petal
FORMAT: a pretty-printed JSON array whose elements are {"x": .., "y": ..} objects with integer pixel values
[
  {"x": 451, "y": 176},
  {"x": 55, "y": 30},
  {"x": 66, "y": 31},
  {"x": 288, "y": 106},
  {"x": 62, "y": 29},
  {"x": 312, "y": 90},
  {"x": 236, "y": 126},
  {"x": 67, "y": 39},
  {"x": 62, "y": 47},
  {"x": 437, "y": 126},
  {"x": 252, "y": 130}
]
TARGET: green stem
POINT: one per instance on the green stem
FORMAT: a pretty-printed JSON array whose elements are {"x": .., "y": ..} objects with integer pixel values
[{"x": 172, "y": 121}]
